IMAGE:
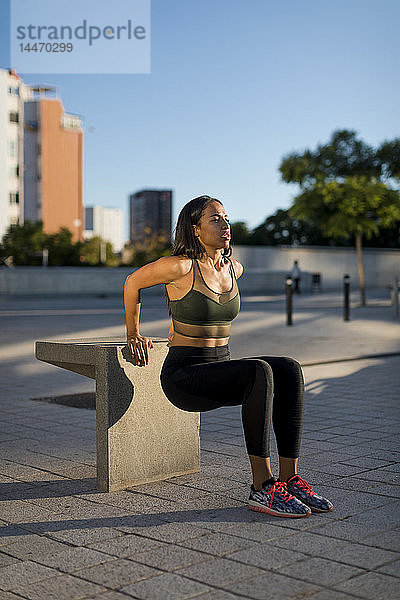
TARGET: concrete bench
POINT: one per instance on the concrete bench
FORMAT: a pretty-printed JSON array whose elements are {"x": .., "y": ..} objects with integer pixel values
[{"x": 140, "y": 436}]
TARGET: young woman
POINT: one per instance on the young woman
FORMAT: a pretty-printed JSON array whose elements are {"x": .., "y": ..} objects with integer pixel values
[{"x": 198, "y": 374}]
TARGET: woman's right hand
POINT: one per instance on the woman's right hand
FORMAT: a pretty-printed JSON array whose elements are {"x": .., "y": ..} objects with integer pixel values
[{"x": 139, "y": 348}]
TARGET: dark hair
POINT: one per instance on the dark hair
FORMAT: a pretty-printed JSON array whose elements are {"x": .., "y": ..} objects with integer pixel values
[{"x": 186, "y": 242}]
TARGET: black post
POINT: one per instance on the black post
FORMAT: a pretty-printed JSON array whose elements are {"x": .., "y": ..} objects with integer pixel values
[
  {"x": 289, "y": 303},
  {"x": 396, "y": 297},
  {"x": 346, "y": 299}
]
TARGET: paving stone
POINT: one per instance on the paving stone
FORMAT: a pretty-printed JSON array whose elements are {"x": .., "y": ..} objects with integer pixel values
[
  {"x": 390, "y": 540},
  {"x": 219, "y": 570},
  {"x": 331, "y": 595},
  {"x": 391, "y": 569},
  {"x": 267, "y": 556},
  {"x": 385, "y": 516},
  {"x": 82, "y": 536},
  {"x": 6, "y": 560},
  {"x": 34, "y": 548},
  {"x": 22, "y": 573},
  {"x": 168, "y": 532},
  {"x": 169, "y": 558},
  {"x": 352, "y": 532},
  {"x": 117, "y": 572},
  {"x": 217, "y": 544},
  {"x": 218, "y": 595},
  {"x": 271, "y": 586},
  {"x": 9, "y": 534},
  {"x": 9, "y": 596},
  {"x": 168, "y": 586},
  {"x": 126, "y": 545},
  {"x": 62, "y": 587},
  {"x": 357, "y": 555},
  {"x": 320, "y": 571},
  {"x": 258, "y": 529},
  {"x": 19, "y": 511},
  {"x": 371, "y": 586},
  {"x": 73, "y": 559},
  {"x": 109, "y": 596}
]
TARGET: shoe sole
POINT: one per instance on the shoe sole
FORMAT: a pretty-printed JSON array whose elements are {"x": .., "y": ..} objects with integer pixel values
[{"x": 275, "y": 513}]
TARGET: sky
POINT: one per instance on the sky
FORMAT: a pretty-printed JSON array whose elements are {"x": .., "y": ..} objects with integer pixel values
[{"x": 235, "y": 85}]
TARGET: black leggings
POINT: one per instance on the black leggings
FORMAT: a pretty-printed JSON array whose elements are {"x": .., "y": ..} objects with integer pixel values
[{"x": 201, "y": 379}]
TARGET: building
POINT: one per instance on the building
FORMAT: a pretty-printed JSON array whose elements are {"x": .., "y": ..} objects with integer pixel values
[
  {"x": 40, "y": 158},
  {"x": 150, "y": 215},
  {"x": 13, "y": 94},
  {"x": 53, "y": 165},
  {"x": 106, "y": 223}
]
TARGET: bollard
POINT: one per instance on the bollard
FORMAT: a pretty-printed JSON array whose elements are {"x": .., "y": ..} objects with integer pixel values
[
  {"x": 396, "y": 297},
  {"x": 289, "y": 302},
  {"x": 346, "y": 299}
]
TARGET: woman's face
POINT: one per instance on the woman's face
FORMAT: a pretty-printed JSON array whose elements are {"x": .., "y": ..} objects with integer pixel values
[{"x": 213, "y": 229}]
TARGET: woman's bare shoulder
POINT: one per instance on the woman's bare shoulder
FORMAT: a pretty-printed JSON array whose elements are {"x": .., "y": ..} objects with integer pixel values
[
  {"x": 238, "y": 267},
  {"x": 164, "y": 270},
  {"x": 177, "y": 266}
]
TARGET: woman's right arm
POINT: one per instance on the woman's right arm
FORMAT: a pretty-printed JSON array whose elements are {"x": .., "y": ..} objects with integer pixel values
[{"x": 164, "y": 270}]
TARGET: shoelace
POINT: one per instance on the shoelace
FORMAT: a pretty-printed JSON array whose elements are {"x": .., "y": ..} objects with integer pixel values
[
  {"x": 279, "y": 487},
  {"x": 303, "y": 485}
]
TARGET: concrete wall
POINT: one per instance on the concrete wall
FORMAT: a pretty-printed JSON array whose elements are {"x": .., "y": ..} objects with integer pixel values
[
  {"x": 265, "y": 271},
  {"x": 380, "y": 265}
]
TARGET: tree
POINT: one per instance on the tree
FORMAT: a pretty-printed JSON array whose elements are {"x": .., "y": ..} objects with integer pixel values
[
  {"x": 97, "y": 252},
  {"x": 282, "y": 228},
  {"x": 240, "y": 233},
  {"x": 345, "y": 188},
  {"x": 24, "y": 243}
]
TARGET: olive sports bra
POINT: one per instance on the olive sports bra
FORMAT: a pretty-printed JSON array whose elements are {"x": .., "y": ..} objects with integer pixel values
[{"x": 203, "y": 313}]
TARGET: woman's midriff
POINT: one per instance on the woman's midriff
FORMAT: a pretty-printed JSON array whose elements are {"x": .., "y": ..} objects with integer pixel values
[{"x": 183, "y": 340}]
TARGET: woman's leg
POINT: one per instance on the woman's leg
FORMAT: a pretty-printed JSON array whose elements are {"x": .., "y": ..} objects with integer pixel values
[
  {"x": 287, "y": 412},
  {"x": 235, "y": 382}
]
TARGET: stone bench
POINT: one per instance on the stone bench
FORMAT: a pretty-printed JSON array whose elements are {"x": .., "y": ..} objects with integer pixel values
[{"x": 140, "y": 436}]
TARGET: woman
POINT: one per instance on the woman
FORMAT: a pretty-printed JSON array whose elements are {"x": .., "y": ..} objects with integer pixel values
[{"x": 198, "y": 375}]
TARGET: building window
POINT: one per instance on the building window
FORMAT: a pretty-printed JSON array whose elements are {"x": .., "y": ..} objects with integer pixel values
[
  {"x": 14, "y": 197},
  {"x": 14, "y": 171},
  {"x": 14, "y": 91},
  {"x": 12, "y": 148},
  {"x": 14, "y": 117}
]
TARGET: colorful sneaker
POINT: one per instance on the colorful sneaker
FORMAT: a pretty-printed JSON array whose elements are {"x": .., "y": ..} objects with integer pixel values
[
  {"x": 304, "y": 492},
  {"x": 274, "y": 499}
]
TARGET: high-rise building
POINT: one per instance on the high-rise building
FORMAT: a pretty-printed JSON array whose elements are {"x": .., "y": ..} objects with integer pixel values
[
  {"x": 106, "y": 223},
  {"x": 150, "y": 215},
  {"x": 40, "y": 158},
  {"x": 53, "y": 165},
  {"x": 13, "y": 93}
]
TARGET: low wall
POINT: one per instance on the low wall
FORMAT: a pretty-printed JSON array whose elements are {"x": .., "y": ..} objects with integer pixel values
[
  {"x": 381, "y": 266},
  {"x": 265, "y": 271}
]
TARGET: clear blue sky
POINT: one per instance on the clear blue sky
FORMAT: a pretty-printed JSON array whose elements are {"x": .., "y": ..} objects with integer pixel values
[{"x": 234, "y": 86}]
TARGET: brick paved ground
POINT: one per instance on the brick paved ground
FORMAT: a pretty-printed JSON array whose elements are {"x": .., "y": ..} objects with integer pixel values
[{"x": 193, "y": 536}]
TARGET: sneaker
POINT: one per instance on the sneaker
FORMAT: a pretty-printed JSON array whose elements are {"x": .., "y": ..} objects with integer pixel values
[
  {"x": 274, "y": 499},
  {"x": 304, "y": 492}
]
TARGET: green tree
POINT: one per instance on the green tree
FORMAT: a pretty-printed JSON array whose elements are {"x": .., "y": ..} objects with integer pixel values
[
  {"x": 24, "y": 243},
  {"x": 345, "y": 188},
  {"x": 96, "y": 251},
  {"x": 282, "y": 228},
  {"x": 240, "y": 233},
  {"x": 62, "y": 251}
]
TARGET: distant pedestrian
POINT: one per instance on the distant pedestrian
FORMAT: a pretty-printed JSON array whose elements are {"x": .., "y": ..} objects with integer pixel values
[{"x": 296, "y": 276}]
